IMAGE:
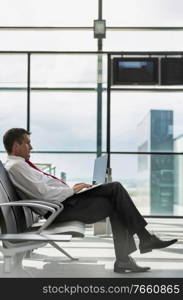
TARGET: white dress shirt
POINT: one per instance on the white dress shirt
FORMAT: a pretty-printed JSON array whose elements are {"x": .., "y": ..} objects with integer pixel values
[{"x": 32, "y": 184}]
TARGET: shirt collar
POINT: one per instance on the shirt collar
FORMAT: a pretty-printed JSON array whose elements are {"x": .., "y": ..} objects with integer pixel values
[{"x": 16, "y": 157}]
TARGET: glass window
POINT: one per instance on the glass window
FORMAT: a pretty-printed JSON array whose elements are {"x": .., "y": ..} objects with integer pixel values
[
  {"x": 143, "y": 12},
  {"x": 152, "y": 181},
  {"x": 63, "y": 70},
  {"x": 49, "y": 40},
  {"x": 63, "y": 121},
  {"x": 77, "y": 167},
  {"x": 104, "y": 121},
  {"x": 48, "y": 13},
  {"x": 13, "y": 70},
  {"x": 145, "y": 121},
  {"x": 117, "y": 40},
  {"x": 13, "y": 111}
]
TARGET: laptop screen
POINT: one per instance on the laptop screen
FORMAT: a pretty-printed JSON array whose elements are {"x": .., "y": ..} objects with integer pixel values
[{"x": 100, "y": 168}]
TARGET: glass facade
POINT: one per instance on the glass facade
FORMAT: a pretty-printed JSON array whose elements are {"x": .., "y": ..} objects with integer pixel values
[
  {"x": 67, "y": 104},
  {"x": 53, "y": 115},
  {"x": 62, "y": 13},
  {"x": 61, "y": 71},
  {"x": 13, "y": 111},
  {"x": 143, "y": 13},
  {"x": 129, "y": 110}
]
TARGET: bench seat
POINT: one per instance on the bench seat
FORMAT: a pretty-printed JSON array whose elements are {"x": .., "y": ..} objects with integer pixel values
[{"x": 20, "y": 231}]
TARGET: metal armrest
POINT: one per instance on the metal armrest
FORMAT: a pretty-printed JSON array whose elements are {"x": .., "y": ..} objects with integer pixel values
[
  {"x": 51, "y": 204},
  {"x": 29, "y": 204},
  {"x": 59, "y": 209}
]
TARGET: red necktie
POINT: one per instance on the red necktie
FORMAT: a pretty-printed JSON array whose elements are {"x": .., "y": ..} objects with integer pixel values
[{"x": 33, "y": 166}]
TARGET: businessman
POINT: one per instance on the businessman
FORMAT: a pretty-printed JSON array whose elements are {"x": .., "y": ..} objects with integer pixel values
[{"x": 108, "y": 200}]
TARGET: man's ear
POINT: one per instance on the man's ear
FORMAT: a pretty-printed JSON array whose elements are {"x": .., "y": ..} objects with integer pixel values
[{"x": 15, "y": 147}]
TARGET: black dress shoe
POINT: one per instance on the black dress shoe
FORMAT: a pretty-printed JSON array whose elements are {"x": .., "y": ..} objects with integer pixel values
[
  {"x": 128, "y": 266},
  {"x": 154, "y": 243}
]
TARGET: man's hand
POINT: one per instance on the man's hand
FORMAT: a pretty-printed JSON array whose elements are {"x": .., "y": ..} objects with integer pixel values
[{"x": 79, "y": 186}]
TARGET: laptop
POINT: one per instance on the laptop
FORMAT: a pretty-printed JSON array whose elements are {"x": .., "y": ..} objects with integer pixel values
[{"x": 99, "y": 173}]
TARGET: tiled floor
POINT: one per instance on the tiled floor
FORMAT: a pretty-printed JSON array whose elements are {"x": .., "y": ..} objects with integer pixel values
[{"x": 96, "y": 257}]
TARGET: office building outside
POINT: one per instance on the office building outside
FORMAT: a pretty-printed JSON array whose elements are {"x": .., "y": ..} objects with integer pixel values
[
  {"x": 156, "y": 171},
  {"x": 178, "y": 186}
]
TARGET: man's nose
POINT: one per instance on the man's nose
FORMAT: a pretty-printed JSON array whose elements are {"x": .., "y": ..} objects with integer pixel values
[{"x": 31, "y": 147}]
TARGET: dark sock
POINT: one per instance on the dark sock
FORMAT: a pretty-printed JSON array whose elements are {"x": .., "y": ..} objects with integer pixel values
[
  {"x": 143, "y": 234},
  {"x": 124, "y": 259}
]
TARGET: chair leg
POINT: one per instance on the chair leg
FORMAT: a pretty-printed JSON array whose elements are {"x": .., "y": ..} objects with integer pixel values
[
  {"x": 28, "y": 254},
  {"x": 13, "y": 265},
  {"x": 12, "y": 261},
  {"x": 63, "y": 251},
  {"x": 7, "y": 264},
  {"x": 17, "y": 259}
]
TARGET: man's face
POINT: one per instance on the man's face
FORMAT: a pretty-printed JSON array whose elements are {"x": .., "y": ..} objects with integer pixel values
[{"x": 23, "y": 149}]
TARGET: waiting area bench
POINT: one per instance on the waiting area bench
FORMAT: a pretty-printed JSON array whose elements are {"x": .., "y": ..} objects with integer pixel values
[{"x": 20, "y": 230}]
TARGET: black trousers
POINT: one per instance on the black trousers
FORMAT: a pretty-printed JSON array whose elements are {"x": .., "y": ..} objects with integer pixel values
[{"x": 108, "y": 200}]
